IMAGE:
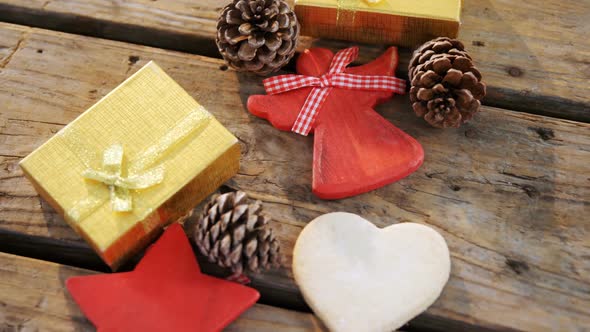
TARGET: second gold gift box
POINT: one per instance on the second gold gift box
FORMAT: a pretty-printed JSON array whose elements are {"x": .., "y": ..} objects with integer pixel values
[{"x": 396, "y": 22}]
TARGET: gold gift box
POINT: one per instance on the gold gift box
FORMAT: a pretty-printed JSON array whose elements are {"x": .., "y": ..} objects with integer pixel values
[
  {"x": 169, "y": 143},
  {"x": 397, "y": 22}
]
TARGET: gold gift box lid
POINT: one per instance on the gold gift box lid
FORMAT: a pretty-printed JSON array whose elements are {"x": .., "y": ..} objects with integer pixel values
[{"x": 159, "y": 127}]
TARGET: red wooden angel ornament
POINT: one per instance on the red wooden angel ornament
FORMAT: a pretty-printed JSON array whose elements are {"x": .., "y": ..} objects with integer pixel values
[{"x": 355, "y": 149}]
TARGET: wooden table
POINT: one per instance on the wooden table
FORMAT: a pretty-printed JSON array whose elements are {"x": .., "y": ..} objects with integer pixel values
[{"x": 510, "y": 191}]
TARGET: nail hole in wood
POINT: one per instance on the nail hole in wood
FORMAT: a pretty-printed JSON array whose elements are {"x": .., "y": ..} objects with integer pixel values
[
  {"x": 133, "y": 59},
  {"x": 519, "y": 267},
  {"x": 39, "y": 51},
  {"x": 545, "y": 133},
  {"x": 223, "y": 67},
  {"x": 515, "y": 71},
  {"x": 455, "y": 187},
  {"x": 530, "y": 191}
]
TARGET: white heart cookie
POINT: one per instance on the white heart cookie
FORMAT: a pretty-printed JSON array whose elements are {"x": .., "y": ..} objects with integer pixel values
[{"x": 359, "y": 278}]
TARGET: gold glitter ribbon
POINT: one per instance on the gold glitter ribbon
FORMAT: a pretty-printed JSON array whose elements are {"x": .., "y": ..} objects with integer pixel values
[
  {"x": 142, "y": 173},
  {"x": 346, "y": 10}
]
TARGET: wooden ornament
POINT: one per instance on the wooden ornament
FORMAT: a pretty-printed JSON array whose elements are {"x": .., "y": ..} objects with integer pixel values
[
  {"x": 355, "y": 149},
  {"x": 357, "y": 277},
  {"x": 165, "y": 292}
]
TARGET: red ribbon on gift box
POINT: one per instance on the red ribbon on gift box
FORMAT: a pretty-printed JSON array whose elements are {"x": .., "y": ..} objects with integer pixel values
[{"x": 336, "y": 77}]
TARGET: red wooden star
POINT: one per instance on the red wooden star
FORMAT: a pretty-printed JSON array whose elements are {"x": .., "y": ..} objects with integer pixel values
[
  {"x": 165, "y": 292},
  {"x": 355, "y": 149}
]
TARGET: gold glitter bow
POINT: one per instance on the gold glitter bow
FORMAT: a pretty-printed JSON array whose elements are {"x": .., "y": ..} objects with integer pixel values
[
  {"x": 119, "y": 186},
  {"x": 143, "y": 171}
]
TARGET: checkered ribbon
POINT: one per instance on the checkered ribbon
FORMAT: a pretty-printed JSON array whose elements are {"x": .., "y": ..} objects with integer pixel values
[{"x": 323, "y": 85}]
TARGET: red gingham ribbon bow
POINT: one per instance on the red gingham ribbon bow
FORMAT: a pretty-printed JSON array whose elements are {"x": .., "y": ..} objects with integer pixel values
[{"x": 323, "y": 84}]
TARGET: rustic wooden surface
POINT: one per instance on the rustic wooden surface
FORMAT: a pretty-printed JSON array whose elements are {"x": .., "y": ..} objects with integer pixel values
[
  {"x": 33, "y": 297},
  {"x": 509, "y": 191},
  {"x": 533, "y": 54}
]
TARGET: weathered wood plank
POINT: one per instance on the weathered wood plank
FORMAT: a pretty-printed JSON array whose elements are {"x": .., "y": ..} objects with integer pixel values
[
  {"x": 509, "y": 191},
  {"x": 33, "y": 297},
  {"x": 534, "y": 54}
]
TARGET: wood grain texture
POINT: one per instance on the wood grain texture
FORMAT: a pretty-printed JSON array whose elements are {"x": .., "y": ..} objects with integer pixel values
[
  {"x": 533, "y": 54},
  {"x": 33, "y": 297},
  {"x": 509, "y": 191}
]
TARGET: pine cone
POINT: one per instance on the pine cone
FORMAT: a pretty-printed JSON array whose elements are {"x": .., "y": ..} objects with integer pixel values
[
  {"x": 257, "y": 35},
  {"x": 446, "y": 87},
  {"x": 233, "y": 234}
]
